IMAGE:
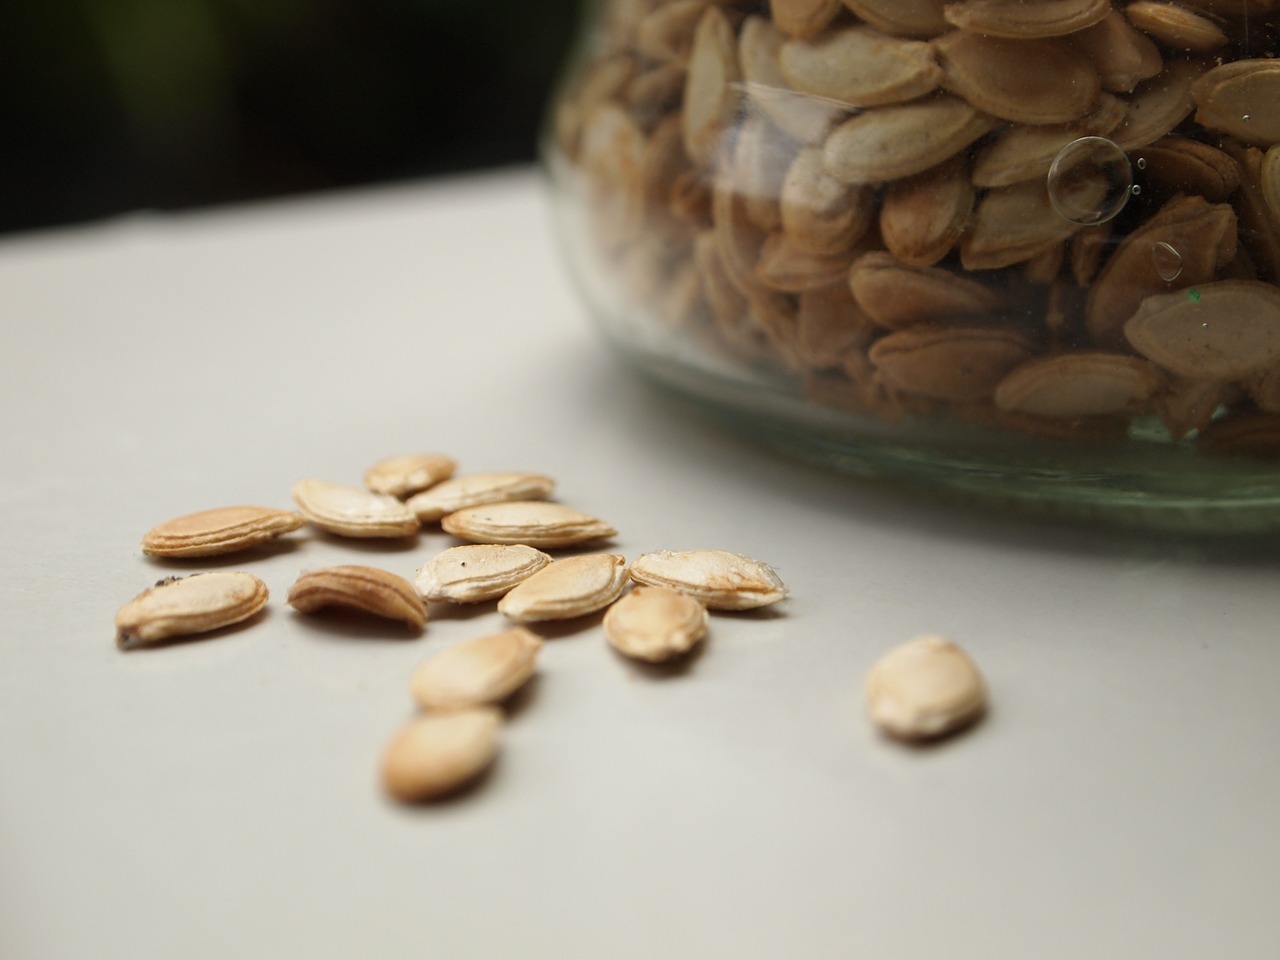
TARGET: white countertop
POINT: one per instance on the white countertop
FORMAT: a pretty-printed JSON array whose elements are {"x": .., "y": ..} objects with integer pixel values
[{"x": 219, "y": 798}]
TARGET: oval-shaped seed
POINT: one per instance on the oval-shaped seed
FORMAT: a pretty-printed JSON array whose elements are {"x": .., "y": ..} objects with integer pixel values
[
  {"x": 221, "y": 530},
  {"x": 820, "y": 213},
  {"x": 1203, "y": 235},
  {"x": 436, "y": 754},
  {"x": 861, "y": 67},
  {"x": 655, "y": 624},
  {"x": 803, "y": 18},
  {"x": 960, "y": 363},
  {"x": 475, "y": 572},
  {"x": 923, "y": 217},
  {"x": 903, "y": 18},
  {"x": 404, "y": 475},
  {"x": 1014, "y": 224},
  {"x": 478, "y": 672},
  {"x": 1030, "y": 81},
  {"x": 1158, "y": 105},
  {"x": 710, "y": 93},
  {"x": 532, "y": 522},
  {"x": 1181, "y": 165},
  {"x": 563, "y": 589},
  {"x": 718, "y": 579},
  {"x": 182, "y": 606},
  {"x": 1020, "y": 153},
  {"x": 1176, "y": 27},
  {"x": 897, "y": 295},
  {"x": 1017, "y": 19},
  {"x": 1269, "y": 181},
  {"x": 378, "y": 592},
  {"x": 477, "y": 489},
  {"x": 1223, "y": 330},
  {"x": 888, "y": 143},
  {"x": 666, "y": 33},
  {"x": 1084, "y": 383},
  {"x": 352, "y": 512},
  {"x": 1122, "y": 56},
  {"x": 924, "y": 689},
  {"x": 1241, "y": 99},
  {"x": 785, "y": 266}
]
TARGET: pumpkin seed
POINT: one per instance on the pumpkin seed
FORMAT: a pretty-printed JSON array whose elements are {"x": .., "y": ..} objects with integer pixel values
[
  {"x": 718, "y": 579},
  {"x": 477, "y": 489},
  {"x": 352, "y": 512},
  {"x": 218, "y": 531},
  {"x": 357, "y": 587},
  {"x": 183, "y": 606},
  {"x": 567, "y": 588},
  {"x": 478, "y": 672},
  {"x": 924, "y": 689},
  {"x": 436, "y": 754},
  {"x": 474, "y": 572},
  {"x": 531, "y": 522},
  {"x": 655, "y": 624},
  {"x": 401, "y": 476},
  {"x": 1084, "y": 383}
]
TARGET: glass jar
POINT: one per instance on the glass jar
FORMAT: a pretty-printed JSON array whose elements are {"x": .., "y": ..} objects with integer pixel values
[{"x": 1025, "y": 250}]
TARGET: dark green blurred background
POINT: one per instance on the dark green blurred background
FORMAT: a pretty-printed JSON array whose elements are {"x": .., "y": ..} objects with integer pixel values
[{"x": 113, "y": 105}]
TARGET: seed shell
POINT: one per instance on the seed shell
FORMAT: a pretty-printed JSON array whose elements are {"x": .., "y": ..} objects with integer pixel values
[
  {"x": 924, "y": 689},
  {"x": 719, "y": 579},
  {"x": 436, "y": 754},
  {"x": 405, "y": 475},
  {"x": 352, "y": 512},
  {"x": 374, "y": 591},
  {"x": 532, "y": 522},
  {"x": 474, "y": 572},
  {"x": 218, "y": 531},
  {"x": 567, "y": 588},
  {"x": 484, "y": 670},
  {"x": 655, "y": 624},
  {"x": 182, "y": 606},
  {"x": 477, "y": 489}
]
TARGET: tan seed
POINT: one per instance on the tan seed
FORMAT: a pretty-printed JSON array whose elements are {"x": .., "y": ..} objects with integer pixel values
[
  {"x": 221, "y": 530},
  {"x": 1020, "y": 153},
  {"x": 477, "y": 489},
  {"x": 805, "y": 118},
  {"x": 1241, "y": 99},
  {"x": 1122, "y": 56},
  {"x": 1223, "y": 330},
  {"x": 785, "y": 266},
  {"x": 404, "y": 475},
  {"x": 437, "y": 754},
  {"x": 1016, "y": 19},
  {"x": 667, "y": 32},
  {"x": 718, "y": 579},
  {"x": 352, "y": 512},
  {"x": 655, "y": 624},
  {"x": 1181, "y": 165},
  {"x": 182, "y": 606},
  {"x": 861, "y": 67},
  {"x": 923, "y": 217},
  {"x": 484, "y": 670},
  {"x": 710, "y": 93},
  {"x": 531, "y": 522},
  {"x": 803, "y": 18},
  {"x": 1084, "y": 383},
  {"x": 1158, "y": 105},
  {"x": 475, "y": 572},
  {"x": 896, "y": 295},
  {"x": 820, "y": 213},
  {"x": 960, "y": 363},
  {"x": 1014, "y": 224},
  {"x": 377, "y": 592},
  {"x": 903, "y": 18},
  {"x": 924, "y": 689},
  {"x": 568, "y": 588},
  {"x": 1176, "y": 27}
]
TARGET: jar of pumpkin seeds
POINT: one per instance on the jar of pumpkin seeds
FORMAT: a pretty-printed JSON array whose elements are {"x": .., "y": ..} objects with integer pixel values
[{"x": 1025, "y": 249}]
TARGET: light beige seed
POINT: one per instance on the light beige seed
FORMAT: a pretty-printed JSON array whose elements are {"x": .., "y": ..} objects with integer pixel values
[
  {"x": 1083, "y": 383},
  {"x": 888, "y": 143},
  {"x": 787, "y": 267},
  {"x": 1176, "y": 27},
  {"x": 710, "y": 93},
  {"x": 221, "y": 530},
  {"x": 478, "y": 672},
  {"x": 803, "y": 18},
  {"x": 405, "y": 475},
  {"x": 896, "y": 295},
  {"x": 718, "y": 579},
  {"x": 655, "y": 624},
  {"x": 377, "y": 592},
  {"x": 961, "y": 363},
  {"x": 1020, "y": 153},
  {"x": 1242, "y": 100},
  {"x": 924, "y": 689},
  {"x": 820, "y": 213},
  {"x": 903, "y": 18},
  {"x": 475, "y": 572},
  {"x": 923, "y": 217},
  {"x": 1158, "y": 105},
  {"x": 1225, "y": 330},
  {"x": 436, "y": 754},
  {"x": 1017, "y": 19},
  {"x": 532, "y": 522},
  {"x": 860, "y": 66},
  {"x": 1014, "y": 224},
  {"x": 568, "y": 588},
  {"x": 182, "y": 606},
  {"x": 1030, "y": 81},
  {"x": 1122, "y": 56},
  {"x": 352, "y": 512},
  {"x": 477, "y": 489}
]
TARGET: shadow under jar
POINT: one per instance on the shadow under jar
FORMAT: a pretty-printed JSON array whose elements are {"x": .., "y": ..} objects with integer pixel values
[{"x": 1022, "y": 250}]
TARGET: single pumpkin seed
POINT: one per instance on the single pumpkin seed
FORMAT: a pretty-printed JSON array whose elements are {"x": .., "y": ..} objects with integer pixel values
[
  {"x": 1084, "y": 383},
  {"x": 1020, "y": 153},
  {"x": 666, "y": 33},
  {"x": 567, "y": 588},
  {"x": 352, "y": 512},
  {"x": 819, "y": 212},
  {"x": 182, "y": 606},
  {"x": 1122, "y": 56},
  {"x": 923, "y": 217},
  {"x": 959, "y": 362},
  {"x": 221, "y": 530},
  {"x": 405, "y": 475},
  {"x": 803, "y": 18},
  {"x": 897, "y": 295},
  {"x": 1014, "y": 224},
  {"x": 655, "y": 624},
  {"x": 924, "y": 689},
  {"x": 1181, "y": 165},
  {"x": 377, "y": 592},
  {"x": 718, "y": 579},
  {"x": 860, "y": 66},
  {"x": 477, "y": 489},
  {"x": 1176, "y": 27},
  {"x": 903, "y": 18},
  {"x": 1018, "y": 20},
  {"x": 1158, "y": 105},
  {"x": 478, "y": 672},
  {"x": 532, "y": 522},
  {"x": 710, "y": 93},
  {"x": 474, "y": 572},
  {"x": 436, "y": 754}
]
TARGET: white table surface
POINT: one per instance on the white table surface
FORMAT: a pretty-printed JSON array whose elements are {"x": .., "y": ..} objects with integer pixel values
[{"x": 219, "y": 798}]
